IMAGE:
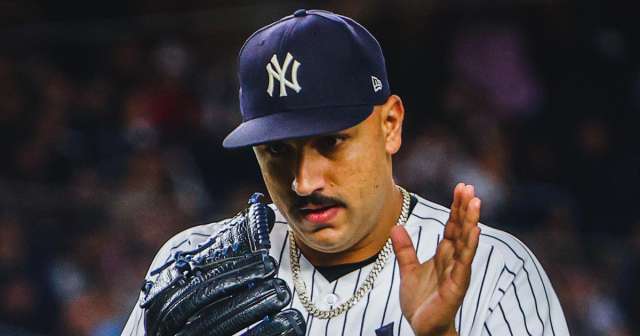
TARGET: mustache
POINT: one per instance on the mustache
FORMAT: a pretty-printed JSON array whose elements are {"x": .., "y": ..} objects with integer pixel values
[{"x": 317, "y": 199}]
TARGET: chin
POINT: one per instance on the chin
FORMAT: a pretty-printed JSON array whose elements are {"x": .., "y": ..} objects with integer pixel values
[{"x": 328, "y": 241}]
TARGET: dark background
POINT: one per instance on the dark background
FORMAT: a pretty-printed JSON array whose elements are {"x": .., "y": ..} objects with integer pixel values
[{"x": 112, "y": 116}]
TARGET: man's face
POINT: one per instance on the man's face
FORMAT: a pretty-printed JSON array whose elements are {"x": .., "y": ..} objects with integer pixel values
[{"x": 331, "y": 188}]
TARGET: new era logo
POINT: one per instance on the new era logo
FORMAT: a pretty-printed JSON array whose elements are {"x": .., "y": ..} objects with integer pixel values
[
  {"x": 277, "y": 72},
  {"x": 377, "y": 84}
]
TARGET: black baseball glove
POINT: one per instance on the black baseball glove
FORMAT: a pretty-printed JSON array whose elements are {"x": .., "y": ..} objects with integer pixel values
[{"x": 224, "y": 285}]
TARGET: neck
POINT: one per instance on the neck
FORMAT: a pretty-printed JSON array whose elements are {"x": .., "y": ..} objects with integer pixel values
[{"x": 370, "y": 245}]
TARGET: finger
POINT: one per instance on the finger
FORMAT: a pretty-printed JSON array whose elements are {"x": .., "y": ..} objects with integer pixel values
[
  {"x": 444, "y": 255},
  {"x": 471, "y": 219},
  {"x": 455, "y": 222},
  {"x": 467, "y": 195},
  {"x": 466, "y": 249},
  {"x": 461, "y": 271},
  {"x": 450, "y": 231},
  {"x": 404, "y": 250},
  {"x": 457, "y": 199}
]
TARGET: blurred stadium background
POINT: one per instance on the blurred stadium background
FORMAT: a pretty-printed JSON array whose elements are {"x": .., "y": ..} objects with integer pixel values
[{"x": 112, "y": 116}]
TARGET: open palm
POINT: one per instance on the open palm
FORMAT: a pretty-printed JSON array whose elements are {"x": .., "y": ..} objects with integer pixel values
[{"x": 431, "y": 292}]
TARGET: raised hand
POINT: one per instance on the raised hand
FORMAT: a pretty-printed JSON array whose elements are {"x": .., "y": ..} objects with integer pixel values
[{"x": 431, "y": 292}]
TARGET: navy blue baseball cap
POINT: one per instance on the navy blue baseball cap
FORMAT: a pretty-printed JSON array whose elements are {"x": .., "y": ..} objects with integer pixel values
[{"x": 310, "y": 73}]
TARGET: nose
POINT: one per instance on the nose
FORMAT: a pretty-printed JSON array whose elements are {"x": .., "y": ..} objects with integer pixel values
[{"x": 309, "y": 173}]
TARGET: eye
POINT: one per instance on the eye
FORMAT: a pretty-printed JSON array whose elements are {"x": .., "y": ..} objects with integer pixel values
[
  {"x": 330, "y": 142},
  {"x": 276, "y": 148}
]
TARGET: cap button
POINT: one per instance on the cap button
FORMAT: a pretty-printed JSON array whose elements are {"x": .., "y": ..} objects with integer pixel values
[{"x": 300, "y": 12}]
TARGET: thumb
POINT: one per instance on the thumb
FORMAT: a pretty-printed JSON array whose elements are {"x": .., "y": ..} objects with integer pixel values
[{"x": 404, "y": 250}]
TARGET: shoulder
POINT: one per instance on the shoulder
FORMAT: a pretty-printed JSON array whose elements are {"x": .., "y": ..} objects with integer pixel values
[
  {"x": 502, "y": 261},
  {"x": 508, "y": 249},
  {"x": 495, "y": 244}
]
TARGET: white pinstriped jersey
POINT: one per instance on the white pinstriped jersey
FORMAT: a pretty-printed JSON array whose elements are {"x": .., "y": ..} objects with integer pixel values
[{"x": 509, "y": 293}]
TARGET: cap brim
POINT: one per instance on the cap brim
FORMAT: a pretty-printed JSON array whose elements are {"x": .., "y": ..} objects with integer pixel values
[{"x": 290, "y": 125}]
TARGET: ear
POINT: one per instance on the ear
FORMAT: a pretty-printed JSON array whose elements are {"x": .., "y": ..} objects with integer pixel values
[{"x": 392, "y": 116}]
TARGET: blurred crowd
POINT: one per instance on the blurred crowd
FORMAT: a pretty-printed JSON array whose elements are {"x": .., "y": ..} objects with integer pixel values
[{"x": 110, "y": 146}]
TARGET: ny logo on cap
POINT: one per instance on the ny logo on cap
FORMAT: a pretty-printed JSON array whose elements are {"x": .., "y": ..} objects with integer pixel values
[{"x": 280, "y": 74}]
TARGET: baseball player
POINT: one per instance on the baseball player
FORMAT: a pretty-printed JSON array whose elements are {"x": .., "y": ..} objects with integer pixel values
[{"x": 348, "y": 251}]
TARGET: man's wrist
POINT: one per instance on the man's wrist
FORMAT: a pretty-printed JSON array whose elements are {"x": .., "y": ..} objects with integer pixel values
[{"x": 450, "y": 332}]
